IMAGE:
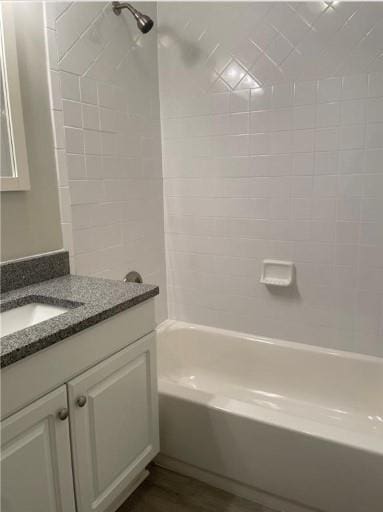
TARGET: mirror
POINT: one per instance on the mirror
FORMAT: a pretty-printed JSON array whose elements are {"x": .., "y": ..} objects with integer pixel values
[
  {"x": 14, "y": 172},
  {"x": 29, "y": 202}
]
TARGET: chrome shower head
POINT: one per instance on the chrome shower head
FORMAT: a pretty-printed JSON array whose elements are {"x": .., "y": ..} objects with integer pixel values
[{"x": 144, "y": 23}]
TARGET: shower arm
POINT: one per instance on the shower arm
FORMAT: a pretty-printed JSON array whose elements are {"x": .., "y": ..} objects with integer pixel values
[
  {"x": 118, "y": 6},
  {"x": 144, "y": 22}
]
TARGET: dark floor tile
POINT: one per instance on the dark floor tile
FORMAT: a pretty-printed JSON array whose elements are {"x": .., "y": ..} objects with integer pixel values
[{"x": 167, "y": 491}]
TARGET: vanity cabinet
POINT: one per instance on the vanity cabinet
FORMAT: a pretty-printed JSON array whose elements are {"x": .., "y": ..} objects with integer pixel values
[
  {"x": 98, "y": 430},
  {"x": 36, "y": 467},
  {"x": 114, "y": 424}
]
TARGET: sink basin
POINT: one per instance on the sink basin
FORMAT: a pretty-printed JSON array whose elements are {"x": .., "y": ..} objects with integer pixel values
[{"x": 24, "y": 316}]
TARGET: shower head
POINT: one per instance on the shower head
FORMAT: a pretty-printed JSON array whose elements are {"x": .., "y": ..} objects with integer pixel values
[{"x": 144, "y": 23}]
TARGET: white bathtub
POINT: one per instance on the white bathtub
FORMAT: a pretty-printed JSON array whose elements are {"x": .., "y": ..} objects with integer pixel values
[{"x": 293, "y": 426}]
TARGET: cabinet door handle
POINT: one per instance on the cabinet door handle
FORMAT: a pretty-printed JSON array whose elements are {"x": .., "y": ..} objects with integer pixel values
[
  {"x": 81, "y": 401},
  {"x": 63, "y": 414}
]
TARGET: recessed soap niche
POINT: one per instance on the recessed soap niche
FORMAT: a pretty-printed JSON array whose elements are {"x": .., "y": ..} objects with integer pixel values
[{"x": 277, "y": 273}]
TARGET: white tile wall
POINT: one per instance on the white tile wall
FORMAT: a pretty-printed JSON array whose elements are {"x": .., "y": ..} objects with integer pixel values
[
  {"x": 105, "y": 101},
  {"x": 272, "y": 117}
]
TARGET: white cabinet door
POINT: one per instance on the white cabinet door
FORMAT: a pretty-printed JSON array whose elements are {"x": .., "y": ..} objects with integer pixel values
[
  {"x": 115, "y": 432},
  {"x": 36, "y": 458}
]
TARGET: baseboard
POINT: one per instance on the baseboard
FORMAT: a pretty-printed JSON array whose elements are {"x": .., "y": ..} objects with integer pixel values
[{"x": 244, "y": 491}]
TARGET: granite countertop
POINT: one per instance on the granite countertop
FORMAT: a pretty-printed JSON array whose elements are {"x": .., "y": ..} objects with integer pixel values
[{"x": 90, "y": 300}]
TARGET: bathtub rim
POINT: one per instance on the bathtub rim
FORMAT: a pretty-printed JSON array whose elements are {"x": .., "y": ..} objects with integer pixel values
[
  {"x": 172, "y": 325},
  {"x": 304, "y": 426}
]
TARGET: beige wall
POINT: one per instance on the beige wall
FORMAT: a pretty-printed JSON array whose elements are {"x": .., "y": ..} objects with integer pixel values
[{"x": 30, "y": 221}]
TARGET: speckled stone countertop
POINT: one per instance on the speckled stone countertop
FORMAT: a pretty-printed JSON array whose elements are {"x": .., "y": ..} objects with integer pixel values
[{"x": 90, "y": 300}]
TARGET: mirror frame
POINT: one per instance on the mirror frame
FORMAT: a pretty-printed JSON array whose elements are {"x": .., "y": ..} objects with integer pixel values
[{"x": 12, "y": 96}]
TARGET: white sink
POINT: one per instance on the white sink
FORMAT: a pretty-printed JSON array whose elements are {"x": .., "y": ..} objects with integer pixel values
[{"x": 24, "y": 316}]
